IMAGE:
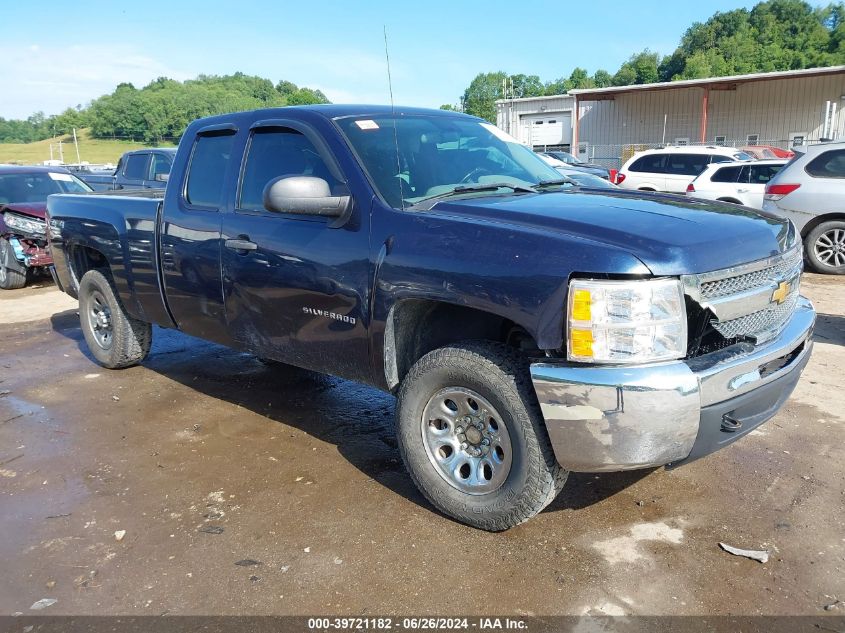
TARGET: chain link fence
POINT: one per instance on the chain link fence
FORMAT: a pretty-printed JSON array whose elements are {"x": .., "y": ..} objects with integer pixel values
[{"x": 614, "y": 156}]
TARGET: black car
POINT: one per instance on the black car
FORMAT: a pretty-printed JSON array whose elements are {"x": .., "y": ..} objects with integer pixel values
[{"x": 574, "y": 162}]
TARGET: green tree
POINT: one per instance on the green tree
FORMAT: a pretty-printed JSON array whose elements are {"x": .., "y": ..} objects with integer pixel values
[
  {"x": 602, "y": 79},
  {"x": 481, "y": 95}
]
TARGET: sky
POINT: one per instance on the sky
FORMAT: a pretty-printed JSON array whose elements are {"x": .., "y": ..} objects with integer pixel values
[{"x": 59, "y": 54}]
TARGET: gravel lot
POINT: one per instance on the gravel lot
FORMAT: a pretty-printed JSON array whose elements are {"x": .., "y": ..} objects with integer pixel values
[{"x": 244, "y": 489}]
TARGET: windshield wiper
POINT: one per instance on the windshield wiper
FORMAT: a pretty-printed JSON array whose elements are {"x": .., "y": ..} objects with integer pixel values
[
  {"x": 556, "y": 182},
  {"x": 461, "y": 189}
]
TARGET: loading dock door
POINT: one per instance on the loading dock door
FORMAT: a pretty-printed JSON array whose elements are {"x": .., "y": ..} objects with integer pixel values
[{"x": 548, "y": 128}]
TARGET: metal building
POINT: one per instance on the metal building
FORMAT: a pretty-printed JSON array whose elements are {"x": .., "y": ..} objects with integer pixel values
[
  {"x": 540, "y": 122},
  {"x": 780, "y": 108}
]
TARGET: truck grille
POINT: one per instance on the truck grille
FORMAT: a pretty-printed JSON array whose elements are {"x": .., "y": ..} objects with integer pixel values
[
  {"x": 748, "y": 281},
  {"x": 750, "y": 301},
  {"x": 766, "y": 320}
]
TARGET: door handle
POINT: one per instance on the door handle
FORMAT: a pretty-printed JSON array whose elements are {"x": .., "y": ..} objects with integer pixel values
[{"x": 240, "y": 245}]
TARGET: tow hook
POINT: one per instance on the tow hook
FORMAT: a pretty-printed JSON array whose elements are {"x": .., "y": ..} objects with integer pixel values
[{"x": 730, "y": 424}]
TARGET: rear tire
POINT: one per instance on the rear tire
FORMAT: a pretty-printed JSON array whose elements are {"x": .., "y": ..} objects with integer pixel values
[
  {"x": 115, "y": 339},
  {"x": 494, "y": 471},
  {"x": 10, "y": 279},
  {"x": 824, "y": 248}
]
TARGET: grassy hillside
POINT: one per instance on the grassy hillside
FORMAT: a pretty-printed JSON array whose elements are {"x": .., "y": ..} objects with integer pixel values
[{"x": 90, "y": 150}]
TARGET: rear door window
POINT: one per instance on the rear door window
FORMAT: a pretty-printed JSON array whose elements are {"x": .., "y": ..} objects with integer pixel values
[
  {"x": 654, "y": 163},
  {"x": 136, "y": 167},
  {"x": 207, "y": 173},
  {"x": 727, "y": 174},
  {"x": 686, "y": 164},
  {"x": 830, "y": 164},
  {"x": 761, "y": 174}
]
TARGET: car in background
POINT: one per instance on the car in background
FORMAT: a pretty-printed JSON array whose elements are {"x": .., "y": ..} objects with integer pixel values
[
  {"x": 739, "y": 183},
  {"x": 672, "y": 168},
  {"x": 584, "y": 179},
  {"x": 762, "y": 152},
  {"x": 575, "y": 163},
  {"x": 810, "y": 191},
  {"x": 138, "y": 169},
  {"x": 23, "y": 228}
]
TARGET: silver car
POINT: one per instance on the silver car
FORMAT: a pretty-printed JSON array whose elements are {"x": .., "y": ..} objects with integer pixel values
[{"x": 810, "y": 191}]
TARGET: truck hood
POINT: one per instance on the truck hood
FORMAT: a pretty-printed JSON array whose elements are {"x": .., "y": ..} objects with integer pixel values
[
  {"x": 34, "y": 209},
  {"x": 671, "y": 235}
]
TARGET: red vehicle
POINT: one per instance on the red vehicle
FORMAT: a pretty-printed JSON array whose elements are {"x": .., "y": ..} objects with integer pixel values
[
  {"x": 23, "y": 229},
  {"x": 762, "y": 152}
]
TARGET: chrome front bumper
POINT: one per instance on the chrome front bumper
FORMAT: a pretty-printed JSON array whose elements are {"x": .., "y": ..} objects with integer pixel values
[{"x": 609, "y": 418}]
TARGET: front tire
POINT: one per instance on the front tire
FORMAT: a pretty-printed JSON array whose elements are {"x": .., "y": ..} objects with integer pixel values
[
  {"x": 825, "y": 248},
  {"x": 115, "y": 339},
  {"x": 472, "y": 436},
  {"x": 10, "y": 279}
]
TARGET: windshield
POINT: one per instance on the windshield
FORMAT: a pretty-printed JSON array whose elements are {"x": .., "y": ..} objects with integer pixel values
[
  {"x": 430, "y": 155},
  {"x": 36, "y": 186}
]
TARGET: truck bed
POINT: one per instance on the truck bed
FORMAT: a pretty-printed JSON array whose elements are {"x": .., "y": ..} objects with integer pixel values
[{"x": 121, "y": 226}]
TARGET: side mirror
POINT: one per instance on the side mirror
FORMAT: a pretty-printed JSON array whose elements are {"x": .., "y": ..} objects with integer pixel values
[
  {"x": 162, "y": 177},
  {"x": 306, "y": 195}
]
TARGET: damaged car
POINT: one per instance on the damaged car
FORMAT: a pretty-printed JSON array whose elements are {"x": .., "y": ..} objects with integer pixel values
[{"x": 23, "y": 230}]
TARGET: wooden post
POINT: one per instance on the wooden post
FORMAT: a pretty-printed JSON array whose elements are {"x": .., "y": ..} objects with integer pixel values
[{"x": 705, "y": 97}]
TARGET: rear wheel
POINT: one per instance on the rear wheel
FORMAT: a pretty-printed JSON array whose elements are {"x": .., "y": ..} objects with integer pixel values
[
  {"x": 472, "y": 436},
  {"x": 10, "y": 279},
  {"x": 114, "y": 338},
  {"x": 825, "y": 248}
]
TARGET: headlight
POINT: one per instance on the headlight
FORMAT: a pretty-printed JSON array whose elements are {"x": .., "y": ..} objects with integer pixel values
[
  {"x": 626, "y": 321},
  {"x": 24, "y": 224}
]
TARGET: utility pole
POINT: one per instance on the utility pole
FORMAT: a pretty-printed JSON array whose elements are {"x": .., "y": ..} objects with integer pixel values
[{"x": 76, "y": 143}]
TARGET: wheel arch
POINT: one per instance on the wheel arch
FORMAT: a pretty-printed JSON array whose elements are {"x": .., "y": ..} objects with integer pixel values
[
  {"x": 81, "y": 259},
  {"x": 819, "y": 219},
  {"x": 415, "y": 327}
]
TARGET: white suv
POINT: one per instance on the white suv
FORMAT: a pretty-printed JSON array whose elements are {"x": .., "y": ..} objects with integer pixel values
[
  {"x": 739, "y": 183},
  {"x": 810, "y": 191},
  {"x": 672, "y": 168}
]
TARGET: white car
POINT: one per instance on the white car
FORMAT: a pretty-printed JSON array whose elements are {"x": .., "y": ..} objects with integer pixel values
[
  {"x": 810, "y": 191},
  {"x": 740, "y": 183},
  {"x": 672, "y": 168}
]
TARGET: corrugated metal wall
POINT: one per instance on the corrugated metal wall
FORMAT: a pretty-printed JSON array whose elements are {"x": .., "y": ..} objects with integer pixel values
[{"x": 771, "y": 109}]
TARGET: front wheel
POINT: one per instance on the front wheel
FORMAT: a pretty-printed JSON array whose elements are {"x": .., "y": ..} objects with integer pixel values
[
  {"x": 825, "y": 248},
  {"x": 115, "y": 339},
  {"x": 472, "y": 436}
]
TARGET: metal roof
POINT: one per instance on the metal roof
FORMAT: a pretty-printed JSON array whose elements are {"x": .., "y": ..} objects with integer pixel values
[{"x": 717, "y": 83}]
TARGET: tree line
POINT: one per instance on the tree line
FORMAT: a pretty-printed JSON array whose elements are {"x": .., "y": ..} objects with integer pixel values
[
  {"x": 773, "y": 35},
  {"x": 161, "y": 110}
]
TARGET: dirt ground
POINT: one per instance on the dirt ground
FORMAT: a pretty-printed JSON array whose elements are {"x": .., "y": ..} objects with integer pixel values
[{"x": 244, "y": 489}]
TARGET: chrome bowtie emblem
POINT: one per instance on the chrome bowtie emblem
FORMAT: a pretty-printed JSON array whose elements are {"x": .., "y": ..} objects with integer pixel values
[{"x": 781, "y": 292}]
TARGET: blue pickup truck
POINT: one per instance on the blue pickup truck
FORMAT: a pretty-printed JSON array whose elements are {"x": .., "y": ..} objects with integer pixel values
[
  {"x": 528, "y": 326},
  {"x": 138, "y": 169}
]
